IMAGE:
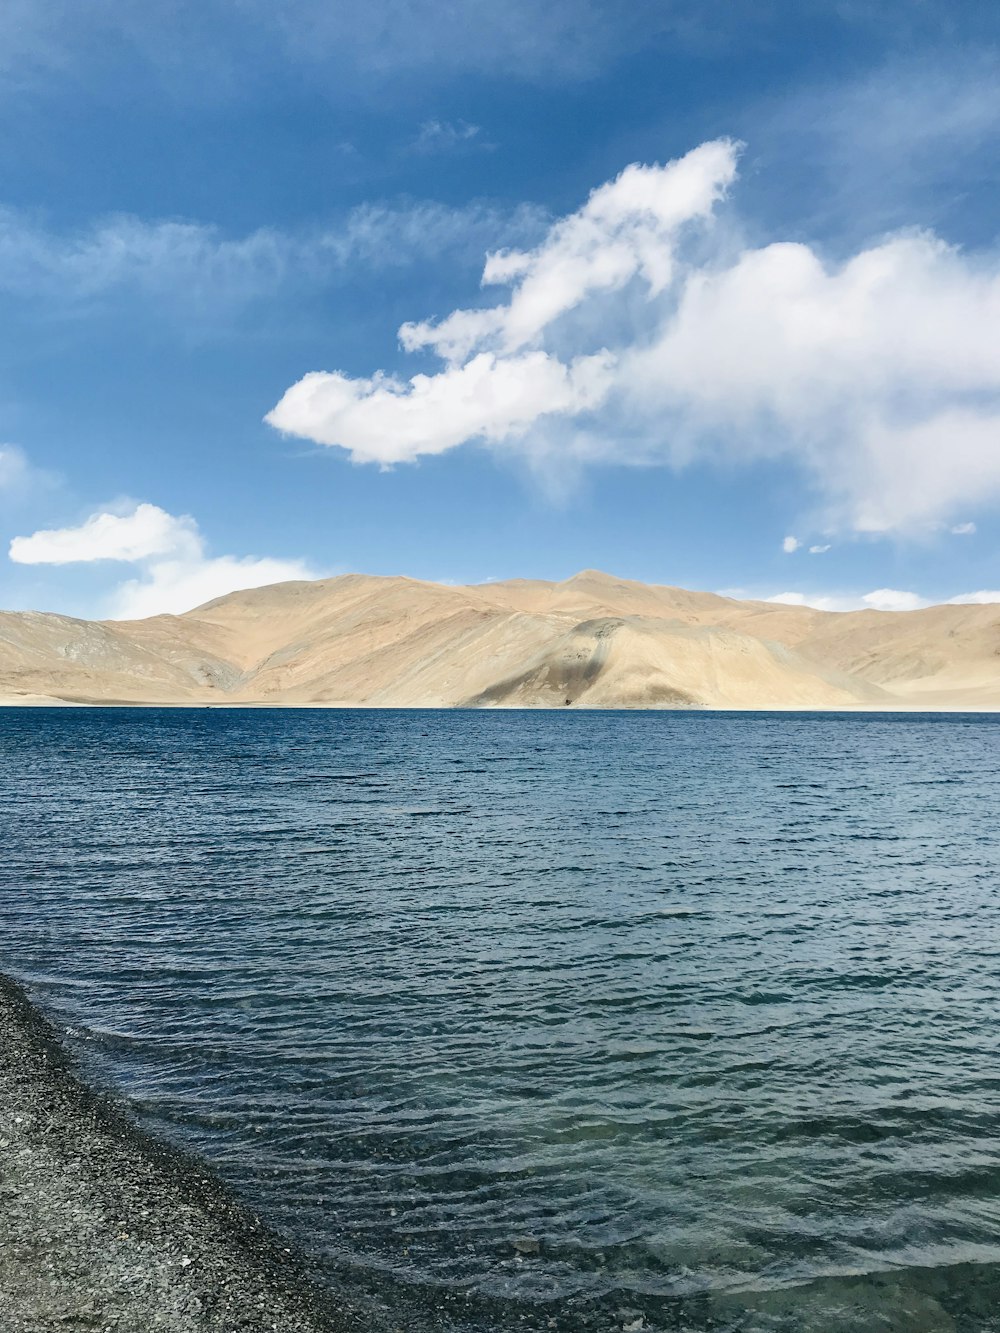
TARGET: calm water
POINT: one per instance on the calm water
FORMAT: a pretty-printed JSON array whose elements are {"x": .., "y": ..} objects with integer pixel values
[{"x": 708, "y": 1007}]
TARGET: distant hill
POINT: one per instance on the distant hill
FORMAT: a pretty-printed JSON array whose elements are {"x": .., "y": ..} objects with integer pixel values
[{"x": 593, "y": 641}]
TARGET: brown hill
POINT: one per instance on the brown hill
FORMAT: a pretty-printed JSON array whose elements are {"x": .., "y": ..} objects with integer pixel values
[{"x": 593, "y": 641}]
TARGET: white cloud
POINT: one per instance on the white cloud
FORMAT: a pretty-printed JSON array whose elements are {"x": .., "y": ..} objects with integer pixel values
[
  {"x": 963, "y": 529},
  {"x": 892, "y": 599},
  {"x": 498, "y": 383},
  {"x": 881, "y": 599},
  {"x": 388, "y": 421},
  {"x": 819, "y": 550},
  {"x": 176, "y": 571},
  {"x": 984, "y": 597},
  {"x": 877, "y": 376},
  {"x": 626, "y": 228},
  {"x": 173, "y": 586},
  {"x": 145, "y": 532},
  {"x": 790, "y": 545},
  {"x": 817, "y": 601}
]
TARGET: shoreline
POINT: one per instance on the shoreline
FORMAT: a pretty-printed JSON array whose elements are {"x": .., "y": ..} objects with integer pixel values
[
  {"x": 108, "y": 1228},
  {"x": 105, "y": 1227},
  {"x": 251, "y": 705}
]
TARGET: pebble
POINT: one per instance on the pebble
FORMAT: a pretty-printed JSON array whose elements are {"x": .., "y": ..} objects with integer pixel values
[{"x": 102, "y": 1226}]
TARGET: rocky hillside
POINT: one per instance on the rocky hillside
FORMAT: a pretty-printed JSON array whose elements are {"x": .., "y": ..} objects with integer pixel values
[{"x": 593, "y": 641}]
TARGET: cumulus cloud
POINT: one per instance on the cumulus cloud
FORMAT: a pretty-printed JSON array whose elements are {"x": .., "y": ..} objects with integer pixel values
[
  {"x": 490, "y": 397},
  {"x": 819, "y": 550},
  {"x": 876, "y": 375},
  {"x": 817, "y": 601},
  {"x": 147, "y": 531},
  {"x": 498, "y": 382},
  {"x": 882, "y": 599},
  {"x": 177, "y": 572},
  {"x": 173, "y": 586},
  {"x": 892, "y": 599},
  {"x": 963, "y": 529},
  {"x": 790, "y": 545},
  {"x": 627, "y": 228},
  {"x": 984, "y": 597}
]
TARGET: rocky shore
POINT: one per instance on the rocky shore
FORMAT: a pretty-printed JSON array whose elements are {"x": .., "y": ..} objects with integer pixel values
[{"x": 103, "y": 1228}]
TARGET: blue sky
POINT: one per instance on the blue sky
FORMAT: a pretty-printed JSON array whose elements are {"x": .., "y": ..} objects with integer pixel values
[{"x": 771, "y": 367}]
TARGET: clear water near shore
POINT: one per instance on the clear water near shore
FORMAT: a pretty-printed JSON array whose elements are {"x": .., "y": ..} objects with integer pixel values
[{"x": 702, "y": 1007}]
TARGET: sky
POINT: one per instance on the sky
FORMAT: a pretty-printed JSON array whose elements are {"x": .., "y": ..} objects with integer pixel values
[{"x": 697, "y": 292}]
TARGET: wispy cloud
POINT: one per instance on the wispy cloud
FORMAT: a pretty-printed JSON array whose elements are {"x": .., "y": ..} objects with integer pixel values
[
  {"x": 197, "y": 267},
  {"x": 206, "y": 50},
  {"x": 451, "y": 136},
  {"x": 178, "y": 44},
  {"x": 20, "y": 478},
  {"x": 176, "y": 570},
  {"x": 15, "y": 470},
  {"x": 895, "y": 147}
]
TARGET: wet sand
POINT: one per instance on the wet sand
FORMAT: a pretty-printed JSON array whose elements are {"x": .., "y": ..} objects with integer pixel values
[{"x": 104, "y": 1228}]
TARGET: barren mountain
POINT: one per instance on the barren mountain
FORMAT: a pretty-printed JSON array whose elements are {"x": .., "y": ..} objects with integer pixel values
[{"x": 593, "y": 641}]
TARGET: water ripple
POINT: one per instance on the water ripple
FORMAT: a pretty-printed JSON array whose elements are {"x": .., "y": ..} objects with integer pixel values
[{"x": 576, "y": 1019}]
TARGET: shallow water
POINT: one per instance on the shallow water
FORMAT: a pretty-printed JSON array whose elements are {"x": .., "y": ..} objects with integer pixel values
[{"x": 703, "y": 1006}]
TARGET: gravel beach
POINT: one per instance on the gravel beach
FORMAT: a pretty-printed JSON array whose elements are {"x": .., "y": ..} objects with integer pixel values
[{"x": 103, "y": 1228}]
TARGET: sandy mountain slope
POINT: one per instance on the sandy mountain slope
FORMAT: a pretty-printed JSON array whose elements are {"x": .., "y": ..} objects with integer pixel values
[{"x": 591, "y": 641}]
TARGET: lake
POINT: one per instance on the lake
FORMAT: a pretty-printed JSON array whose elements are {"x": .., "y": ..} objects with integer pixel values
[{"x": 546, "y": 1019}]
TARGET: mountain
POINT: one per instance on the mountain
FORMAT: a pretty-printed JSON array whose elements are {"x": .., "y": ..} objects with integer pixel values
[{"x": 593, "y": 641}]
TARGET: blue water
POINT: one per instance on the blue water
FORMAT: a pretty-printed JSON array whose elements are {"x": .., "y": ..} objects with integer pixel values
[{"x": 705, "y": 1008}]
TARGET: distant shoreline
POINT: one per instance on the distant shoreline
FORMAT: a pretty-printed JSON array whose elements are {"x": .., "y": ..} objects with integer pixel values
[
  {"x": 251, "y": 705},
  {"x": 102, "y": 1223}
]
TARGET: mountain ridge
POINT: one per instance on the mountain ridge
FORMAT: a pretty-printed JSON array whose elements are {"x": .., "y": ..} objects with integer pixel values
[{"x": 593, "y": 640}]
